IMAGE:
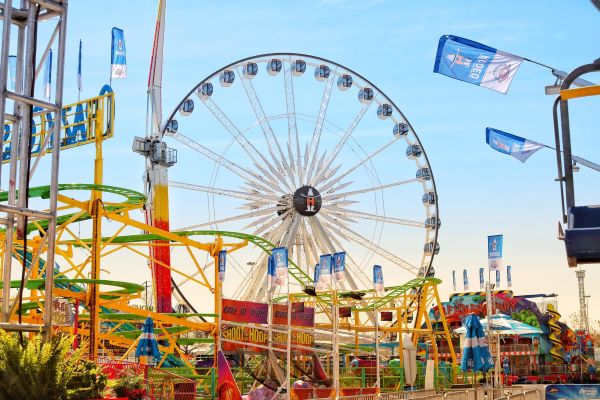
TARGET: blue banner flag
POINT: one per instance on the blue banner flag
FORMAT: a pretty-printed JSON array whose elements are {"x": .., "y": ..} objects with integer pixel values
[
  {"x": 481, "y": 279},
  {"x": 495, "y": 252},
  {"x": 497, "y": 279},
  {"x": 222, "y": 264},
  {"x": 325, "y": 272},
  {"x": 378, "y": 278},
  {"x": 476, "y": 63},
  {"x": 465, "y": 281},
  {"x": 48, "y": 76},
  {"x": 509, "y": 276},
  {"x": 12, "y": 72},
  {"x": 280, "y": 264},
  {"x": 454, "y": 280},
  {"x": 339, "y": 266},
  {"x": 79, "y": 77},
  {"x": 504, "y": 142},
  {"x": 118, "y": 58}
]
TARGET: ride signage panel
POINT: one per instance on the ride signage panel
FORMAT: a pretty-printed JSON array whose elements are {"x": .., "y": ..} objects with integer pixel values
[
  {"x": 244, "y": 311},
  {"x": 304, "y": 317},
  {"x": 62, "y": 314},
  {"x": 260, "y": 336},
  {"x": 572, "y": 392},
  {"x": 81, "y": 123}
]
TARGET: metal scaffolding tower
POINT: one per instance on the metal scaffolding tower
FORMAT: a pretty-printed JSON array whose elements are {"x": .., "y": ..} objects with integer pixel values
[
  {"x": 18, "y": 105},
  {"x": 584, "y": 323}
]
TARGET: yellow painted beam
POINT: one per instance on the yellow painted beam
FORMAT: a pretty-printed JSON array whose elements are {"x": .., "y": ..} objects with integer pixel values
[{"x": 568, "y": 94}]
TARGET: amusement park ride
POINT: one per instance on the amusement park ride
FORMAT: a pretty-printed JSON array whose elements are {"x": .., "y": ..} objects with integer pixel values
[
  {"x": 306, "y": 147},
  {"x": 308, "y": 179}
]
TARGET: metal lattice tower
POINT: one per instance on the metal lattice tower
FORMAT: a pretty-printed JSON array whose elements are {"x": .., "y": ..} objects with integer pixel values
[
  {"x": 18, "y": 105},
  {"x": 584, "y": 324}
]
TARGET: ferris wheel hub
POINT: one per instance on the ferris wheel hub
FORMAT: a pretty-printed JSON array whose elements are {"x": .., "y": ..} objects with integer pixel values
[{"x": 307, "y": 201}]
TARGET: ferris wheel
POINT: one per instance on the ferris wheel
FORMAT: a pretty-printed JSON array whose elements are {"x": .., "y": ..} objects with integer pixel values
[{"x": 311, "y": 156}]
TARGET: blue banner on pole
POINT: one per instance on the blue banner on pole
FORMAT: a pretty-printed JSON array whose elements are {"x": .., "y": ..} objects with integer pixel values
[
  {"x": 79, "y": 76},
  {"x": 378, "y": 278},
  {"x": 509, "y": 276},
  {"x": 118, "y": 55},
  {"x": 280, "y": 264},
  {"x": 454, "y": 280},
  {"x": 481, "y": 278},
  {"x": 325, "y": 271},
  {"x": 495, "y": 252},
  {"x": 465, "y": 281},
  {"x": 339, "y": 266},
  {"x": 504, "y": 142},
  {"x": 497, "y": 279},
  {"x": 222, "y": 264},
  {"x": 476, "y": 63}
]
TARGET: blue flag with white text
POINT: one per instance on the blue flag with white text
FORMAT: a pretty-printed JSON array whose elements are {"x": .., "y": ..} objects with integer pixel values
[
  {"x": 222, "y": 264},
  {"x": 79, "y": 77},
  {"x": 495, "y": 252},
  {"x": 481, "y": 279},
  {"x": 476, "y": 63},
  {"x": 465, "y": 280},
  {"x": 504, "y": 142},
  {"x": 497, "y": 279},
  {"x": 378, "y": 278},
  {"x": 339, "y": 266},
  {"x": 118, "y": 63},
  {"x": 325, "y": 271},
  {"x": 509, "y": 276},
  {"x": 454, "y": 280},
  {"x": 280, "y": 264}
]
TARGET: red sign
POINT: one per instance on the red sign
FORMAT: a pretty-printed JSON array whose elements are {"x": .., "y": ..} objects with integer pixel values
[
  {"x": 304, "y": 316},
  {"x": 244, "y": 311}
]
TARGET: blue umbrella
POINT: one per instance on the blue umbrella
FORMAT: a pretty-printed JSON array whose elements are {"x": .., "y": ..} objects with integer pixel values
[
  {"x": 476, "y": 354},
  {"x": 147, "y": 344}
]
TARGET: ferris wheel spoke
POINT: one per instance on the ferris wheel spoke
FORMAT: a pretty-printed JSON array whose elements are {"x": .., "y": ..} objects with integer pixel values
[
  {"x": 230, "y": 165},
  {"x": 262, "y": 119},
  {"x": 290, "y": 104},
  {"x": 374, "y": 217},
  {"x": 250, "y": 196},
  {"x": 310, "y": 252},
  {"x": 250, "y": 214},
  {"x": 266, "y": 223},
  {"x": 289, "y": 236},
  {"x": 361, "y": 240},
  {"x": 311, "y": 156},
  {"x": 239, "y": 137},
  {"x": 354, "y": 270},
  {"x": 331, "y": 245},
  {"x": 329, "y": 184},
  {"x": 342, "y": 142},
  {"x": 334, "y": 196}
]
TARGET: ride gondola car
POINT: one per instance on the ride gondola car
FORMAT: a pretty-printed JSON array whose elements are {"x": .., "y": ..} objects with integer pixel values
[
  {"x": 250, "y": 70},
  {"x": 365, "y": 95},
  {"x": 298, "y": 67},
  {"x": 205, "y": 91},
  {"x": 384, "y": 111},
  {"x": 344, "y": 82},
  {"x": 226, "y": 78},
  {"x": 423, "y": 174},
  {"x": 322, "y": 72},
  {"x": 187, "y": 107},
  {"x": 413, "y": 151},
  {"x": 429, "y": 248},
  {"x": 274, "y": 67}
]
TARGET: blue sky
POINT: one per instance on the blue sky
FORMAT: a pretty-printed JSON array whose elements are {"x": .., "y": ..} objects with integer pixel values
[{"x": 393, "y": 44}]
